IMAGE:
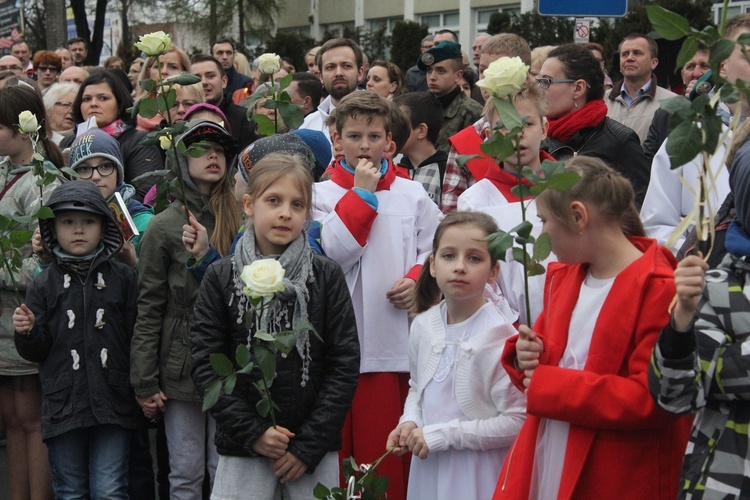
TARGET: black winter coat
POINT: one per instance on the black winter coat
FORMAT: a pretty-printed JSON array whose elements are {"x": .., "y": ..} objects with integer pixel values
[
  {"x": 96, "y": 390},
  {"x": 316, "y": 412},
  {"x": 614, "y": 143}
]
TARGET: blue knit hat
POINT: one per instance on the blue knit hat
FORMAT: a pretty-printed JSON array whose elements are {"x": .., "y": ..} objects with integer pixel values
[
  {"x": 96, "y": 142},
  {"x": 318, "y": 144}
]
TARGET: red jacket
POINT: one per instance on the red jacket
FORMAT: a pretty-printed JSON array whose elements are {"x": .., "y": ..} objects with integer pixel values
[{"x": 620, "y": 444}]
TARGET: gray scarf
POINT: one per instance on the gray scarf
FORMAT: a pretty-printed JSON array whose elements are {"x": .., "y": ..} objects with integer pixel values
[{"x": 297, "y": 263}]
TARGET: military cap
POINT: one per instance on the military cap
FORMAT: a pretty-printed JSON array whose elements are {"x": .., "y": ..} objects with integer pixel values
[{"x": 438, "y": 53}]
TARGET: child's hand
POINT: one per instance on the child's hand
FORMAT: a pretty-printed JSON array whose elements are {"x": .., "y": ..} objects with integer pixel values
[
  {"x": 23, "y": 319},
  {"x": 288, "y": 468},
  {"x": 528, "y": 350},
  {"x": 273, "y": 442},
  {"x": 38, "y": 249},
  {"x": 417, "y": 444},
  {"x": 152, "y": 405},
  {"x": 127, "y": 255},
  {"x": 689, "y": 280},
  {"x": 402, "y": 294},
  {"x": 399, "y": 436},
  {"x": 367, "y": 175},
  {"x": 195, "y": 238}
]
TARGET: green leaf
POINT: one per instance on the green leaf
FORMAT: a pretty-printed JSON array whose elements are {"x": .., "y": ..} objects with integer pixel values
[
  {"x": 684, "y": 144},
  {"x": 284, "y": 82},
  {"x": 523, "y": 229},
  {"x": 211, "y": 394},
  {"x": 687, "y": 51},
  {"x": 148, "y": 85},
  {"x": 675, "y": 105},
  {"x": 349, "y": 466},
  {"x": 265, "y": 356},
  {"x": 498, "y": 244},
  {"x": 20, "y": 237},
  {"x": 303, "y": 326},
  {"x": 560, "y": 182},
  {"x": 519, "y": 254},
  {"x": 521, "y": 190},
  {"x": 461, "y": 160},
  {"x": 720, "y": 51},
  {"x": 242, "y": 355},
  {"x": 508, "y": 114},
  {"x": 712, "y": 128},
  {"x": 247, "y": 368},
  {"x": 70, "y": 172},
  {"x": 729, "y": 93},
  {"x": 148, "y": 107},
  {"x": 197, "y": 150},
  {"x": 534, "y": 269},
  {"x": 542, "y": 247},
  {"x": 271, "y": 104},
  {"x": 379, "y": 485},
  {"x": 285, "y": 341},
  {"x": 263, "y": 407},
  {"x": 321, "y": 491},
  {"x": 221, "y": 363},
  {"x": 266, "y": 126},
  {"x": 291, "y": 114},
  {"x": 264, "y": 336},
  {"x": 229, "y": 383},
  {"x": 550, "y": 168},
  {"x": 45, "y": 212},
  {"x": 670, "y": 26},
  {"x": 498, "y": 146},
  {"x": 166, "y": 100},
  {"x": 183, "y": 79}
]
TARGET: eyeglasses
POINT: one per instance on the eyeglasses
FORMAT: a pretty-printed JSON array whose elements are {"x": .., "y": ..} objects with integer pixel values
[
  {"x": 10, "y": 68},
  {"x": 66, "y": 105},
  {"x": 86, "y": 172},
  {"x": 544, "y": 83},
  {"x": 43, "y": 69}
]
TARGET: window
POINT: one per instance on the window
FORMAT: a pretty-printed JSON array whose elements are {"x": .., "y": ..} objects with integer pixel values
[
  {"x": 437, "y": 22},
  {"x": 388, "y": 22}
]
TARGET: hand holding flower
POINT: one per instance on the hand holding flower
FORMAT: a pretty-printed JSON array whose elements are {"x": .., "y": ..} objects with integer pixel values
[{"x": 273, "y": 443}]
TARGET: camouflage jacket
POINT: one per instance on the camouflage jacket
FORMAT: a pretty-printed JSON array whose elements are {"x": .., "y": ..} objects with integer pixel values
[{"x": 461, "y": 113}]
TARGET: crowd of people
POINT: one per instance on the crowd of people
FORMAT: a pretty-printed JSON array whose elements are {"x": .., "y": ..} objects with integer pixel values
[{"x": 378, "y": 208}]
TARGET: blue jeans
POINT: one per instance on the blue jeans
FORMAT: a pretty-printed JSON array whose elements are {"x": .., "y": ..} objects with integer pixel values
[{"x": 90, "y": 463}]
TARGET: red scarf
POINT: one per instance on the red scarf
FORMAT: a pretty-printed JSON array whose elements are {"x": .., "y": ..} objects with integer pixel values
[
  {"x": 504, "y": 180},
  {"x": 591, "y": 115}
]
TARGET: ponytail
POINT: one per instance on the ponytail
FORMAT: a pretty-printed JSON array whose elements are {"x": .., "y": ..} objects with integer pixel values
[{"x": 426, "y": 293}]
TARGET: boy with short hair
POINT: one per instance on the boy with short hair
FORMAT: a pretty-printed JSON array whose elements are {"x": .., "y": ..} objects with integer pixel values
[
  {"x": 493, "y": 196},
  {"x": 77, "y": 323},
  {"x": 422, "y": 161},
  {"x": 379, "y": 228}
]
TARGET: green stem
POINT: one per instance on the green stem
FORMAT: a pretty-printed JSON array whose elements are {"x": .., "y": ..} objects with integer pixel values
[
  {"x": 525, "y": 254},
  {"x": 19, "y": 299},
  {"x": 275, "y": 111},
  {"x": 180, "y": 180},
  {"x": 723, "y": 22}
]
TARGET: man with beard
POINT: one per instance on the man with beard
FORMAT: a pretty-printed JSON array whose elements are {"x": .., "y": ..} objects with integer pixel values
[{"x": 340, "y": 63}]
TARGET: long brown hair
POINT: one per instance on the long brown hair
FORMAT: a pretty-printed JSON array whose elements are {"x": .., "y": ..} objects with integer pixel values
[
  {"x": 15, "y": 99},
  {"x": 427, "y": 292},
  {"x": 600, "y": 186}
]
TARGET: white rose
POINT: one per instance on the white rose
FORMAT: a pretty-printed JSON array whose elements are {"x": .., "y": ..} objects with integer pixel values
[
  {"x": 504, "y": 76},
  {"x": 154, "y": 44},
  {"x": 269, "y": 64},
  {"x": 165, "y": 141},
  {"x": 263, "y": 278},
  {"x": 27, "y": 123}
]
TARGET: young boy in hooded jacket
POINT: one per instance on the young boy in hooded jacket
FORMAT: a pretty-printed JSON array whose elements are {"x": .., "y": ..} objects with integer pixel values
[{"x": 77, "y": 323}]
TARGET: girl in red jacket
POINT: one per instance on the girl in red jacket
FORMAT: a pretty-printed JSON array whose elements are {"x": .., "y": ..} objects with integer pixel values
[{"x": 592, "y": 429}]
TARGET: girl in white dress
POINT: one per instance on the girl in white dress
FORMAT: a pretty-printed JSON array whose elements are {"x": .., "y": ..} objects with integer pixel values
[{"x": 462, "y": 413}]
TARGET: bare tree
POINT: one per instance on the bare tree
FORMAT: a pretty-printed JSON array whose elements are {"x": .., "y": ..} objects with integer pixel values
[{"x": 95, "y": 39}]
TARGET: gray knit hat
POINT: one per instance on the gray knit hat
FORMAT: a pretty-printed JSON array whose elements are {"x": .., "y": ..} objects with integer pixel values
[
  {"x": 281, "y": 143},
  {"x": 96, "y": 142}
]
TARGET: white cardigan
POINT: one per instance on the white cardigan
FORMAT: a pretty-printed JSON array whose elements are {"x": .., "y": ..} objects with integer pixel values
[{"x": 495, "y": 408}]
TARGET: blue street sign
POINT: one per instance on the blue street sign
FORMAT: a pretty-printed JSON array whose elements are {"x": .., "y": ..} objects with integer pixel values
[{"x": 583, "y": 8}]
